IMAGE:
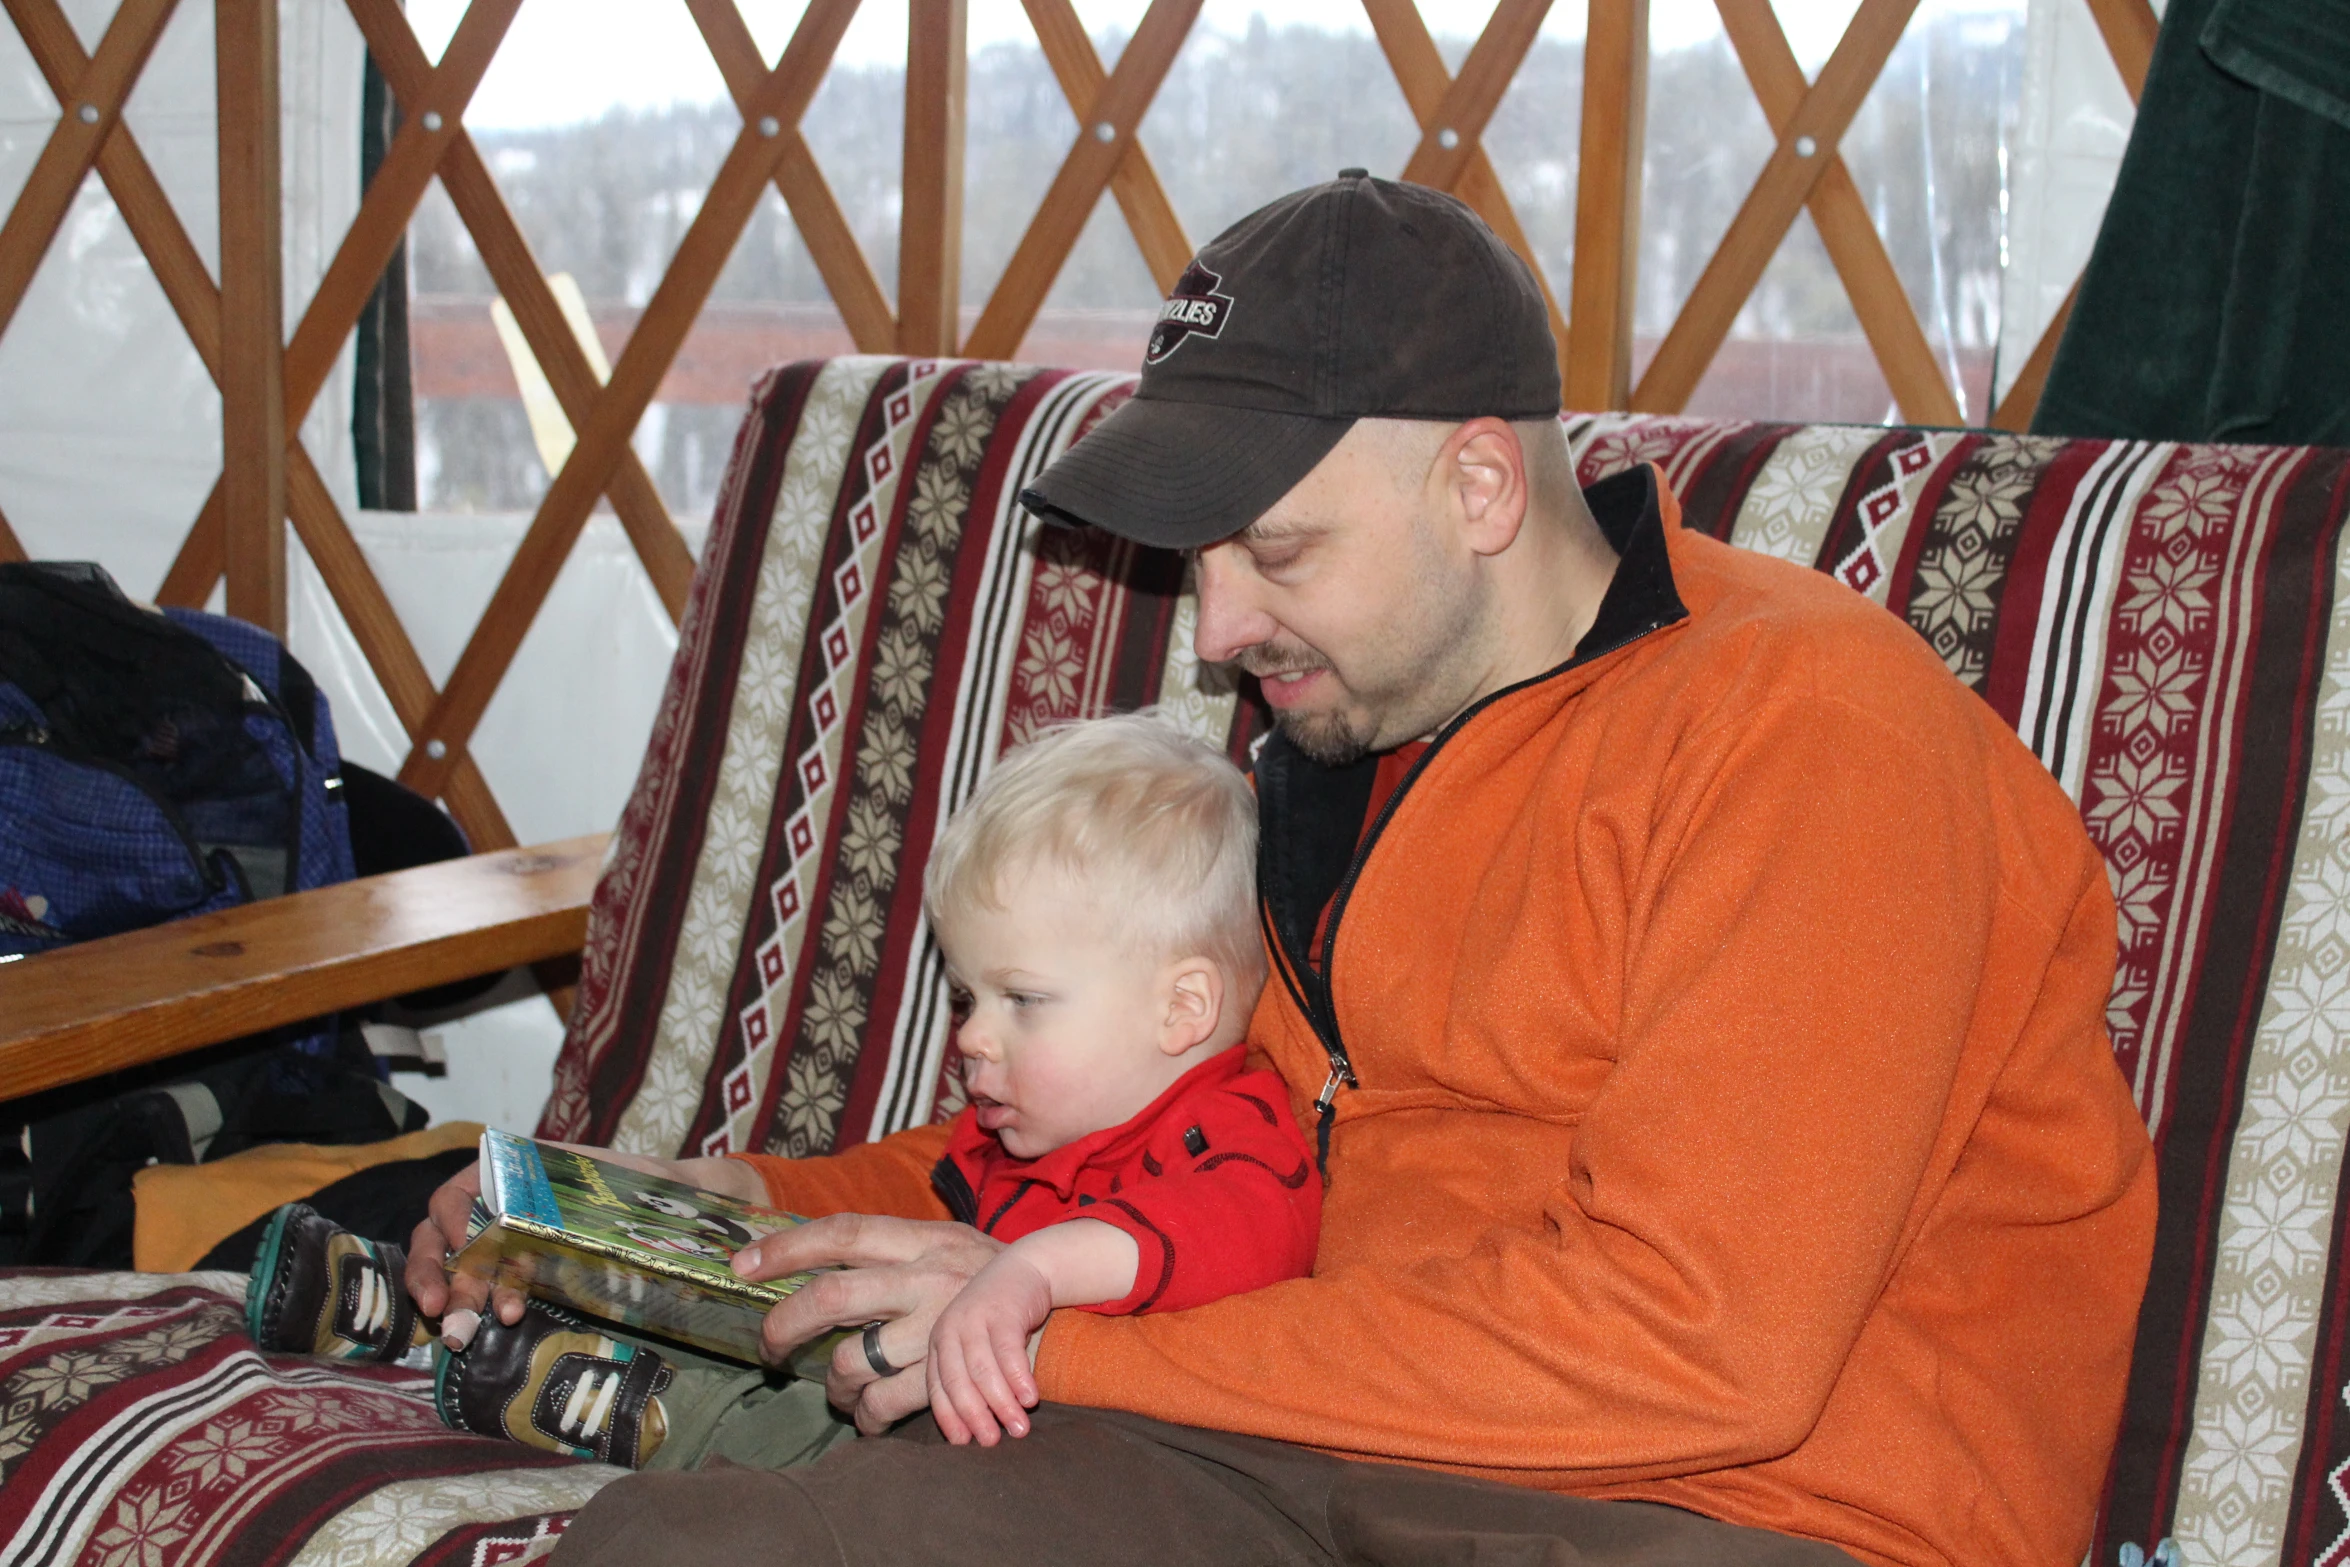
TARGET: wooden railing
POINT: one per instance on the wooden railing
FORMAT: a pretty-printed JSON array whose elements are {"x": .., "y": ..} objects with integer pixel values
[
  {"x": 267, "y": 388},
  {"x": 146, "y": 995}
]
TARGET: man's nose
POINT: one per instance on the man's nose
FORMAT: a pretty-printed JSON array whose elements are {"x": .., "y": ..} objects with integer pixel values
[{"x": 1230, "y": 618}]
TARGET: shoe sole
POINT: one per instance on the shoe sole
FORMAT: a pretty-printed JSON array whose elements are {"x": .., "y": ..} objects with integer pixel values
[
  {"x": 443, "y": 1363},
  {"x": 273, "y": 1243}
]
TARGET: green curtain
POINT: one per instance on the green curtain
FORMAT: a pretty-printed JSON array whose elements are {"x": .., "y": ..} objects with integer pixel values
[{"x": 2216, "y": 304}]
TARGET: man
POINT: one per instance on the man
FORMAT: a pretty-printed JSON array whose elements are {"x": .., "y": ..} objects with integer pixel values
[{"x": 1696, "y": 998}]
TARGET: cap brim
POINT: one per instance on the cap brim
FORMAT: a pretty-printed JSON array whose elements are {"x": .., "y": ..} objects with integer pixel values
[{"x": 1180, "y": 474}]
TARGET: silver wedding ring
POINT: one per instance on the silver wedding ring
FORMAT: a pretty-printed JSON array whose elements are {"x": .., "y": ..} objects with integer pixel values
[{"x": 873, "y": 1355}]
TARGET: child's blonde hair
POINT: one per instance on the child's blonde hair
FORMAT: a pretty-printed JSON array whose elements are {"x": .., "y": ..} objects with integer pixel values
[{"x": 1161, "y": 829}]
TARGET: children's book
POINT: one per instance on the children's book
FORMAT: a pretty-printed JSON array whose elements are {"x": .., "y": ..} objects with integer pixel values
[{"x": 638, "y": 1250}]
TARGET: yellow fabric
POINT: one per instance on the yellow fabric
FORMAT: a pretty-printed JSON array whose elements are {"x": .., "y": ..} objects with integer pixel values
[{"x": 184, "y": 1210}]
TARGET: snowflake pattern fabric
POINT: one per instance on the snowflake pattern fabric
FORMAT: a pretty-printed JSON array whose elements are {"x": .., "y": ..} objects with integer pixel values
[{"x": 139, "y": 1427}]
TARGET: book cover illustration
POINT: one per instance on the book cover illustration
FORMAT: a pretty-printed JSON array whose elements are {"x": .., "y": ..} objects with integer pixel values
[{"x": 639, "y": 1250}]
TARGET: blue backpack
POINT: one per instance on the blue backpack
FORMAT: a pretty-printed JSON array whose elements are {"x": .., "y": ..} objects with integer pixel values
[{"x": 153, "y": 764}]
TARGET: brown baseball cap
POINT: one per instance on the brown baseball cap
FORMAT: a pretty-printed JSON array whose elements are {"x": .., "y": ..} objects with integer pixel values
[{"x": 1362, "y": 298}]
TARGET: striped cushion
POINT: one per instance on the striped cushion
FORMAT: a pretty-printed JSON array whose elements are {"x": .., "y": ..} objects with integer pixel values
[{"x": 2157, "y": 621}]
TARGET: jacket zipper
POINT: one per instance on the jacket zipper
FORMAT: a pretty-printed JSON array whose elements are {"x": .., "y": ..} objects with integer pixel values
[
  {"x": 947, "y": 1179},
  {"x": 1324, "y": 1015}
]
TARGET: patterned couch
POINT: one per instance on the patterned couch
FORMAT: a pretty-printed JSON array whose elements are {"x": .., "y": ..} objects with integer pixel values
[{"x": 875, "y": 620}]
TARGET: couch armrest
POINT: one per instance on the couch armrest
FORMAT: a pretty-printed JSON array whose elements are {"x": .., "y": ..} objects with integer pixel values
[{"x": 101, "y": 1006}]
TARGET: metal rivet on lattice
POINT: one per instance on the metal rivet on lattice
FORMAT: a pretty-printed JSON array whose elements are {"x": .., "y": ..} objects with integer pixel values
[
  {"x": 1805, "y": 147},
  {"x": 770, "y": 127},
  {"x": 88, "y": 113},
  {"x": 1448, "y": 138},
  {"x": 1105, "y": 131},
  {"x": 432, "y": 119},
  {"x": 436, "y": 749}
]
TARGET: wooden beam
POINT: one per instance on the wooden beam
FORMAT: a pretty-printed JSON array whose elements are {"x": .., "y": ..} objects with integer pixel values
[
  {"x": 367, "y": 611},
  {"x": 832, "y": 245},
  {"x": 430, "y": 121},
  {"x": 1150, "y": 216},
  {"x": 498, "y": 238},
  {"x": 467, "y": 795},
  {"x": 202, "y": 559},
  {"x": 101, "y": 1006},
  {"x": 930, "y": 221},
  {"x": 2129, "y": 27},
  {"x": 414, "y": 81},
  {"x": 603, "y": 436},
  {"x": 2015, "y": 410},
  {"x": 1085, "y": 172},
  {"x": 1469, "y": 102},
  {"x": 1420, "y": 71},
  {"x": 180, "y": 272},
  {"x": 91, "y": 109},
  {"x": 1598, "y": 369},
  {"x": 252, "y": 367},
  {"x": 146, "y": 211},
  {"x": 1780, "y": 191},
  {"x": 11, "y": 547},
  {"x": 1878, "y": 299}
]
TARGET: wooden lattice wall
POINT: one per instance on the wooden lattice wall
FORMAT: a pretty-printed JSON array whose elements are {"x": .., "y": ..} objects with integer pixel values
[{"x": 267, "y": 387}]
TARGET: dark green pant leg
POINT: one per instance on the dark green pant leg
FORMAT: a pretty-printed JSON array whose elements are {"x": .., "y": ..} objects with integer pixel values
[{"x": 721, "y": 1410}]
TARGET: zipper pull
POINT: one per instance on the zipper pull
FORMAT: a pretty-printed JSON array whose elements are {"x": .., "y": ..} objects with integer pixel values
[{"x": 1342, "y": 1075}]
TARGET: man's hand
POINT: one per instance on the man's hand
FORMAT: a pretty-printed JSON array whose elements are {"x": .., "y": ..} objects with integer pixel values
[
  {"x": 898, "y": 1272},
  {"x": 444, "y": 1231},
  {"x": 980, "y": 1376}
]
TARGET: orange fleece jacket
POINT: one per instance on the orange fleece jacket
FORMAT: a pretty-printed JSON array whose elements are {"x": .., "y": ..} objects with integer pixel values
[{"x": 1737, "y": 1126}]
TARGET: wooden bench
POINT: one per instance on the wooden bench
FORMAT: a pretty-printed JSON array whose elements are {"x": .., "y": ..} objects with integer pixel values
[{"x": 149, "y": 994}]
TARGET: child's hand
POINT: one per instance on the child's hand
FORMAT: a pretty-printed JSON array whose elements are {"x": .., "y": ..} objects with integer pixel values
[{"x": 979, "y": 1372}]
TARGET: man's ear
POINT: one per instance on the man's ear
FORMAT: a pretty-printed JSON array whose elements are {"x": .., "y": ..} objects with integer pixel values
[
  {"x": 1484, "y": 467},
  {"x": 1194, "y": 991}
]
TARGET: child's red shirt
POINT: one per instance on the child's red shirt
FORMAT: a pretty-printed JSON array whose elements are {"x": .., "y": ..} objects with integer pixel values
[{"x": 1213, "y": 1180}]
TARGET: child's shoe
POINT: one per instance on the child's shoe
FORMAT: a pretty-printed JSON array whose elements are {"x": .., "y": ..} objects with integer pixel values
[
  {"x": 320, "y": 1290},
  {"x": 554, "y": 1382}
]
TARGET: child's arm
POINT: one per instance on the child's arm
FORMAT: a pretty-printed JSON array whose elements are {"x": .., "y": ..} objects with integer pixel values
[{"x": 980, "y": 1375}]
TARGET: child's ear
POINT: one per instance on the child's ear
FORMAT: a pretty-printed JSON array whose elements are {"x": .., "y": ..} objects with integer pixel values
[{"x": 1195, "y": 1005}]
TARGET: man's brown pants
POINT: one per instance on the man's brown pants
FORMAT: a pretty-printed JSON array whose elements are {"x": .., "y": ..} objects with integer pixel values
[{"x": 1103, "y": 1489}]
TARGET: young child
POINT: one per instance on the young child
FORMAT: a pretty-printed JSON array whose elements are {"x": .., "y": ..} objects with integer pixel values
[
  {"x": 1096, "y": 906},
  {"x": 1096, "y": 903}
]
